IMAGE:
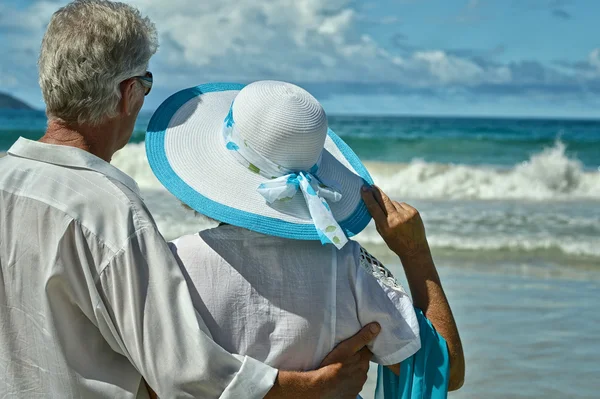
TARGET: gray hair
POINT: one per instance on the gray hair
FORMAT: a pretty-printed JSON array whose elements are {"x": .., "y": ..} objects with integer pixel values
[{"x": 89, "y": 48}]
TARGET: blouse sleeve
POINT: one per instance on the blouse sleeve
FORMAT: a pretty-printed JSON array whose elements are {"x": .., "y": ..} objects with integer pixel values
[{"x": 382, "y": 299}]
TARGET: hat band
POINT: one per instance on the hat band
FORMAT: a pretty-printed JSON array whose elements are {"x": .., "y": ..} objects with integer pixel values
[{"x": 285, "y": 183}]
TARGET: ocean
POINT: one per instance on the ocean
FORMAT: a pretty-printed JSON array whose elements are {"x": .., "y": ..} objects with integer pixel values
[{"x": 512, "y": 212}]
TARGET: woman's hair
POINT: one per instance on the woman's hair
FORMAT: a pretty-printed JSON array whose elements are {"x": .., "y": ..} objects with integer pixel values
[{"x": 89, "y": 48}]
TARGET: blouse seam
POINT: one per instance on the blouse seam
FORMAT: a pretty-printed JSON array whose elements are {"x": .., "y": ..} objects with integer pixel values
[{"x": 334, "y": 294}]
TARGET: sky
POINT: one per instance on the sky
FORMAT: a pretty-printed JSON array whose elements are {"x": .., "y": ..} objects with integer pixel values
[{"x": 537, "y": 58}]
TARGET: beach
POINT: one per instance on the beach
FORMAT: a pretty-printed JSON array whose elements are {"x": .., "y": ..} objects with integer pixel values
[{"x": 512, "y": 212}]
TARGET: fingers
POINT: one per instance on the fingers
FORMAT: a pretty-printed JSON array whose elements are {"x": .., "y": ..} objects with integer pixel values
[
  {"x": 363, "y": 337},
  {"x": 408, "y": 210},
  {"x": 372, "y": 205},
  {"x": 352, "y": 345},
  {"x": 379, "y": 198},
  {"x": 398, "y": 207},
  {"x": 385, "y": 201},
  {"x": 365, "y": 354}
]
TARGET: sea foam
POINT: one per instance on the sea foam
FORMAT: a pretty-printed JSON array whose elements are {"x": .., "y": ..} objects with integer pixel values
[
  {"x": 545, "y": 206},
  {"x": 548, "y": 175}
]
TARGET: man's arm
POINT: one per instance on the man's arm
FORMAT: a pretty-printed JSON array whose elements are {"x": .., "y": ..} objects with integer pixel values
[
  {"x": 341, "y": 375},
  {"x": 402, "y": 229},
  {"x": 146, "y": 313}
]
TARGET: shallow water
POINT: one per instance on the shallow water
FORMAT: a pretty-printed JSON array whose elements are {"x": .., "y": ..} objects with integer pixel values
[{"x": 524, "y": 336}]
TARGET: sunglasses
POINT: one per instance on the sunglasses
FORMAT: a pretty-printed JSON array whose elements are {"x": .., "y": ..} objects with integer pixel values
[{"x": 146, "y": 81}]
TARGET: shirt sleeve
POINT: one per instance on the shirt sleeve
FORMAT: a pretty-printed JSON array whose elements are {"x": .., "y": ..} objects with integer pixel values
[
  {"x": 382, "y": 299},
  {"x": 145, "y": 311}
]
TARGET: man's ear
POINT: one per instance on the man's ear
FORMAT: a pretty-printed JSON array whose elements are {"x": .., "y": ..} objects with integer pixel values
[{"x": 128, "y": 92}]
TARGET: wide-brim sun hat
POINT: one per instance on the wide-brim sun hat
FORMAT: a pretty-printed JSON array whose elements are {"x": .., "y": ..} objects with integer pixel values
[{"x": 260, "y": 157}]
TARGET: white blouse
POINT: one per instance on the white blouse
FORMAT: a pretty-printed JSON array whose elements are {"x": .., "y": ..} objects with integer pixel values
[{"x": 288, "y": 303}]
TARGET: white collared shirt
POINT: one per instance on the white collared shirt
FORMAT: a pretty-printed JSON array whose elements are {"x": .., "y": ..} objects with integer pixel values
[
  {"x": 91, "y": 298},
  {"x": 288, "y": 302}
]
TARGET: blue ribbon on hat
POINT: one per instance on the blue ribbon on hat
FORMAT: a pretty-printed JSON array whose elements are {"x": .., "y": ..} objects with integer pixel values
[{"x": 284, "y": 183}]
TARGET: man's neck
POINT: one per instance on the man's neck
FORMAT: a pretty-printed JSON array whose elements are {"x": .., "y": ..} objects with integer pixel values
[{"x": 97, "y": 140}]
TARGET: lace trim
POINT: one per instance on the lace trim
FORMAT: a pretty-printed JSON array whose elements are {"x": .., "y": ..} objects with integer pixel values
[{"x": 373, "y": 266}]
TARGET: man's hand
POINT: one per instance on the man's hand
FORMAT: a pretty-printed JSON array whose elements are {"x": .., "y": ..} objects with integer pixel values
[
  {"x": 344, "y": 370},
  {"x": 341, "y": 375},
  {"x": 398, "y": 223},
  {"x": 347, "y": 364}
]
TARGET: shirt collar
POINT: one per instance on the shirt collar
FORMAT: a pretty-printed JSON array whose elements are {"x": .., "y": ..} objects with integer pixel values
[{"x": 71, "y": 157}]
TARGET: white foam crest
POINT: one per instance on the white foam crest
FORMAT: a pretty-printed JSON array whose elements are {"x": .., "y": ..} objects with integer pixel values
[
  {"x": 548, "y": 175},
  {"x": 455, "y": 225},
  {"x": 516, "y": 243},
  {"x": 133, "y": 161}
]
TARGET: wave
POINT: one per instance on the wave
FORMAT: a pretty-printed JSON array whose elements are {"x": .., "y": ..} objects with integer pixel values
[
  {"x": 486, "y": 233},
  {"x": 507, "y": 244},
  {"x": 559, "y": 229},
  {"x": 549, "y": 175},
  {"x": 133, "y": 161}
]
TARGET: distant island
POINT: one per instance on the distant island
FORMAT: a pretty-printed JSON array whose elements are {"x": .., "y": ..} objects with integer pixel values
[{"x": 9, "y": 102}]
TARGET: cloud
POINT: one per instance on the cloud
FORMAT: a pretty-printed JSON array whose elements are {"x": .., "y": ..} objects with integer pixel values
[
  {"x": 21, "y": 32},
  {"x": 247, "y": 39},
  {"x": 320, "y": 45},
  {"x": 308, "y": 41},
  {"x": 27, "y": 25},
  {"x": 594, "y": 59}
]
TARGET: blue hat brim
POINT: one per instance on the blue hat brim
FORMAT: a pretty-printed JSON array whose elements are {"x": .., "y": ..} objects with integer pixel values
[{"x": 157, "y": 158}]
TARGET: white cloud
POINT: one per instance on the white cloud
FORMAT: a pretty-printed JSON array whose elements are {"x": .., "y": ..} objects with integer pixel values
[
  {"x": 28, "y": 25},
  {"x": 436, "y": 68},
  {"x": 448, "y": 69},
  {"x": 305, "y": 41},
  {"x": 299, "y": 40},
  {"x": 594, "y": 58},
  {"x": 249, "y": 39}
]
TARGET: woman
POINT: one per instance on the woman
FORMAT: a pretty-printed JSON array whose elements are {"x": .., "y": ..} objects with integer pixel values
[{"x": 279, "y": 280}]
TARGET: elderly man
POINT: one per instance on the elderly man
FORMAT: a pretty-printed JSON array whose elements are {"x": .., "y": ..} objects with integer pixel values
[{"x": 92, "y": 302}]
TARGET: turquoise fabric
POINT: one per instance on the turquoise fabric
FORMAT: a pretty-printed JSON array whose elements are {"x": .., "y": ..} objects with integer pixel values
[{"x": 422, "y": 376}]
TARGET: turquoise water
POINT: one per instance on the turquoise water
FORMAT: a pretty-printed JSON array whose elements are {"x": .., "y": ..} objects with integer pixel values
[
  {"x": 512, "y": 211},
  {"x": 500, "y": 142},
  {"x": 467, "y": 141}
]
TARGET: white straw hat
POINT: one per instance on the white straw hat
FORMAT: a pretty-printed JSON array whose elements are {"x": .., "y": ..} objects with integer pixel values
[{"x": 259, "y": 157}]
